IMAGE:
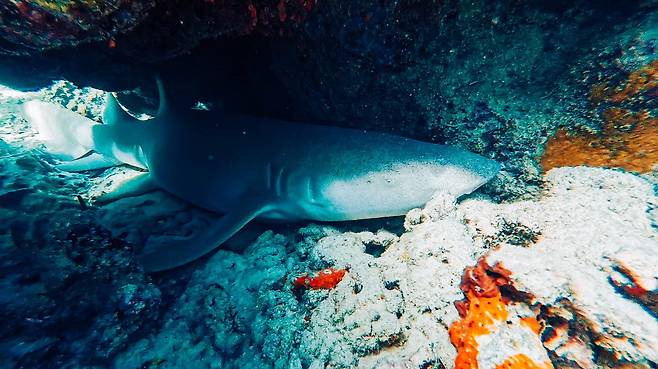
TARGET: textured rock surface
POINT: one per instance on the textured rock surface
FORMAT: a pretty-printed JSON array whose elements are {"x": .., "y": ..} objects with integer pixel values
[
  {"x": 591, "y": 266},
  {"x": 166, "y": 27},
  {"x": 394, "y": 306},
  {"x": 46, "y": 24}
]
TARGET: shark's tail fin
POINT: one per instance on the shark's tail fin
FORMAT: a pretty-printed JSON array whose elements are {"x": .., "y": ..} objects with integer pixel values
[{"x": 67, "y": 135}]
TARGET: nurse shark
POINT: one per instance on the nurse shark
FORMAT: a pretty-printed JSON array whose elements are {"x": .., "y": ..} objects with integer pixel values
[{"x": 246, "y": 168}]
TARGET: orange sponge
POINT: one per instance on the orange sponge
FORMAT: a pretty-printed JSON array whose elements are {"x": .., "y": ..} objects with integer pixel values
[
  {"x": 325, "y": 279},
  {"x": 628, "y": 139}
]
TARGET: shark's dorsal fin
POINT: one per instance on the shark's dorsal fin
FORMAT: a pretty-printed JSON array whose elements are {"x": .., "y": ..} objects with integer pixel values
[
  {"x": 66, "y": 134},
  {"x": 114, "y": 113}
]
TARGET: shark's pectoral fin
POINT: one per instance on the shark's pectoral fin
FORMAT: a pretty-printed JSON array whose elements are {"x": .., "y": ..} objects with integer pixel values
[
  {"x": 177, "y": 251},
  {"x": 138, "y": 185},
  {"x": 88, "y": 162}
]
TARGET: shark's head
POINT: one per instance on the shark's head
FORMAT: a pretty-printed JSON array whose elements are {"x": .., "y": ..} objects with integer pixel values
[
  {"x": 470, "y": 173},
  {"x": 395, "y": 189}
]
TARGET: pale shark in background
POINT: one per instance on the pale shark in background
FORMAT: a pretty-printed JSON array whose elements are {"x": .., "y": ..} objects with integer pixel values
[{"x": 246, "y": 168}]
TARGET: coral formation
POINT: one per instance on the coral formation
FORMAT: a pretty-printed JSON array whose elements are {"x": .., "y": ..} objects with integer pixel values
[
  {"x": 628, "y": 139},
  {"x": 393, "y": 308},
  {"x": 574, "y": 271}
]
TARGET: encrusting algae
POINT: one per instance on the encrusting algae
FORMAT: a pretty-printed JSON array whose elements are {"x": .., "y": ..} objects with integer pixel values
[
  {"x": 481, "y": 314},
  {"x": 642, "y": 80},
  {"x": 481, "y": 311},
  {"x": 325, "y": 279},
  {"x": 628, "y": 139}
]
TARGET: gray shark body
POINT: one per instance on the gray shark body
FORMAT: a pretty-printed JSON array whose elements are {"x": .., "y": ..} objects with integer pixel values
[{"x": 246, "y": 168}]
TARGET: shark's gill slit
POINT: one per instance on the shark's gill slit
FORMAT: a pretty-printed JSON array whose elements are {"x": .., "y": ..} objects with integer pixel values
[
  {"x": 268, "y": 175},
  {"x": 309, "y": 191},
  {"x": 280, "y": 182}
]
